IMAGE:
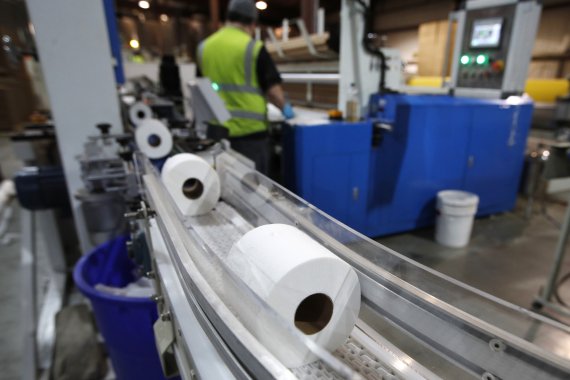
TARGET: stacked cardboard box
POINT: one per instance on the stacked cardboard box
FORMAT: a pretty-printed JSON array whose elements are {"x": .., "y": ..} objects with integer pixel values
[
  {"x": 432, "y": 40},
  {"x": 550, "y": 61},
  {"x": 296, "y": 49},
  {"x": 17, "y": 100},
  {"x": 551, "y": 52},
  {"x": 323, "y": 95}
]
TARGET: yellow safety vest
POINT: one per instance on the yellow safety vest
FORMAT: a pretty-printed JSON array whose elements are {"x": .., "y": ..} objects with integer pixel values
[{"x": 229, "y": 59}]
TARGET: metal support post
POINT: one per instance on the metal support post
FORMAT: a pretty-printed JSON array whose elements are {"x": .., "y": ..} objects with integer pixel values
[
  {"x": 78, "y": 70},
  {"x": 558, "y": 257},
  {"x": 28, "y": 291}
]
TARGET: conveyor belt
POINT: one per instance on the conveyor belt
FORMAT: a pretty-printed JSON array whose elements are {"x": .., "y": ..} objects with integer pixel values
[
  {"x": 223, "y": 227},
  {"x": 411, "y": 324}
]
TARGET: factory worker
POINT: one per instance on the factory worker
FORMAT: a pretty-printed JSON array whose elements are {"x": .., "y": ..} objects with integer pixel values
[{"x": 245, "y": 76}]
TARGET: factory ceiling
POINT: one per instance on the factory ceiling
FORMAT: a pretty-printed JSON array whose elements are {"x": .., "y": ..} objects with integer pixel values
[{"x": 276, "y": 10}]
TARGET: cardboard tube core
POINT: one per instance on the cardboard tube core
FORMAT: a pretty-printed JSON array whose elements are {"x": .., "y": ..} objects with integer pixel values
[
  {"x": 193, "y": 188},
  {"x": 314, "y": 313},
  {"x": 154, "y": 140}
]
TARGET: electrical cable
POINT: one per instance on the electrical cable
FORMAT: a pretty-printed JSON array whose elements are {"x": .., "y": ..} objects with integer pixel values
[{"x": 367, "y": 42}]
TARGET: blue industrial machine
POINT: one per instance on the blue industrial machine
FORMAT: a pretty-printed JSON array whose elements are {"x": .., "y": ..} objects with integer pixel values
[{"x": 381, "y": 175}]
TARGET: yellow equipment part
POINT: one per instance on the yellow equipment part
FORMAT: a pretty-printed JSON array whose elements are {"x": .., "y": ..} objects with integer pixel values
[{"x": 540, "y": 90}]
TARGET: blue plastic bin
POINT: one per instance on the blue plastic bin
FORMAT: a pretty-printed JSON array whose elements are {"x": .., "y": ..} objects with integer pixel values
[{"x": 125, "y": 323}]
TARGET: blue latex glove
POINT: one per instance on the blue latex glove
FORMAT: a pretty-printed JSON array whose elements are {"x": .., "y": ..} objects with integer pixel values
[{"x": 288, "y": 111}]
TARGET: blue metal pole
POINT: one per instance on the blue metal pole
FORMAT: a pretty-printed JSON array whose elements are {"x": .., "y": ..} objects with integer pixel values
[{"x": 114, "y": 39}]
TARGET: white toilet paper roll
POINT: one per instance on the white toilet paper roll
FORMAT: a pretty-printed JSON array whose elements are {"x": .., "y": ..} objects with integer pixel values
[
  {"x": 153, "y": 139},
  {"x": 192, "y": 182},
  {"x": 306, "y": 284},
  {"x": 139, "y": 112}
]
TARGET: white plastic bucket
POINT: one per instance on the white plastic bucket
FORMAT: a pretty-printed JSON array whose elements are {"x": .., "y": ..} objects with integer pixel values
[{"x": 455, "y": 214}]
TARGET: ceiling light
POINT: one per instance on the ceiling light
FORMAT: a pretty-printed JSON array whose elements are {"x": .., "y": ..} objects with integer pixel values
[
  {"x": 261, "y": 5},
  {"x": 134, "y": 44},
  {"x": 144, "y": 4},
  {"x": 163, "y": 17}
]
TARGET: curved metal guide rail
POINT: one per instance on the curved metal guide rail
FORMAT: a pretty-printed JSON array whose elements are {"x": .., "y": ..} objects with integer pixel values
[{"x": 414, "y": 322}]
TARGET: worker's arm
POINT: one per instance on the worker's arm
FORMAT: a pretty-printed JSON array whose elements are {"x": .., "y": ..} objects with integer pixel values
[
  {"x": 276, "y": 96},
  {"x": 270, "y": 82}
]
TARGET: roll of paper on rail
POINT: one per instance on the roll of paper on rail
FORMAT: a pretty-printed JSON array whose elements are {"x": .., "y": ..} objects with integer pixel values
[
  {"x": 139, "y": 112},
  {"x": 310, "y": 288},
  {"x": 153, "y": 139},
  {"x": 192, "y": 183}
]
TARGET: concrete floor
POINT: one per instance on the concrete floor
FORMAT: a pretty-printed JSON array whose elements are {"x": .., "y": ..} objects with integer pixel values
[
  {"x": 11, "y": 342},
  {"x": 508, "y": 257}
]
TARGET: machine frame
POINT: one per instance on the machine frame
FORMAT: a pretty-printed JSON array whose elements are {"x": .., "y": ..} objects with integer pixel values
[
  {"x": 413, "y": 315},
  {"x": 517, "y": 39}
]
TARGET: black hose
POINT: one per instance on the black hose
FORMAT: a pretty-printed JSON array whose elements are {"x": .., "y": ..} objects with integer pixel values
[{"x": 367, "y": 43}]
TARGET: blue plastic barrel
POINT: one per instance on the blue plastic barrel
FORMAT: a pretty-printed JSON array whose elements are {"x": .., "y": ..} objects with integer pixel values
[{"x": 126, "y": 323}]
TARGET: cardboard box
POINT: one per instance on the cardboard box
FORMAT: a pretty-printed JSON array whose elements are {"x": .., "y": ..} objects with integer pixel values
[
  {"x": 17, "y": 100},
  {"x": 432, "y": 40}
]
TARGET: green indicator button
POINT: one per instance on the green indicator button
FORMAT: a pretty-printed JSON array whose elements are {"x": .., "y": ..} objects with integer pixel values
[
  {"x": 215, "y": 86},
  {"x": 465, "y": 59},
  {"x": 481, "y": 59}
]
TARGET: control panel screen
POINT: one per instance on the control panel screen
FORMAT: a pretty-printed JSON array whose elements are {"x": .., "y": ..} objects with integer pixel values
[{"x": 486, "y": 33}]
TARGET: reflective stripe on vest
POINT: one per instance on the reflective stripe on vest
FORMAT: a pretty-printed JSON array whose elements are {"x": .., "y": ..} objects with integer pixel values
[
  {"x": 248, "y": 61},
  {"x": 247, "y": 64},
  {"x": 239, "y": 88},
  {"x": 248, "y": 115},
  {"x": 228, "y": 58}
]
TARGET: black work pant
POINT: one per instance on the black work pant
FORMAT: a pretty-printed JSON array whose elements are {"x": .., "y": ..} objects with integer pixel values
[{"x": 255, "y": 147}]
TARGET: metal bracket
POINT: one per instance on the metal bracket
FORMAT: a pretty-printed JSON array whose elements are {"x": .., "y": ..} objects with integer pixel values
[
  {"x": 165, "y": 338},
  {"x": 307, "y": 37},
  {"x": 275, "y": 42},
  {"x": 143, "y": 213}
]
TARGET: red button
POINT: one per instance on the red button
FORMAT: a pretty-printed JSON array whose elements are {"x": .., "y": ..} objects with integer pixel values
[{"x": 498, "y": 66}]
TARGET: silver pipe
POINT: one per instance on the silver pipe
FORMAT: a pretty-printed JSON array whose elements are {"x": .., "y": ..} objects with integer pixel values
[{"x": 323, "y": 78}]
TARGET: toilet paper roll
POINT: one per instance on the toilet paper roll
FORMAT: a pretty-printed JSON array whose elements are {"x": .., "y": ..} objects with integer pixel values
[
  {"x": 192, "y": 182},
  {"x": 139, "y": 112},
  {"x": 307, "y": 285},
  {"x": 153, "y": 139}
]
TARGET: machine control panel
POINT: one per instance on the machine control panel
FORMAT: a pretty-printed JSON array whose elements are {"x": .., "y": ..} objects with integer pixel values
[{"x": 485, "y": 47}]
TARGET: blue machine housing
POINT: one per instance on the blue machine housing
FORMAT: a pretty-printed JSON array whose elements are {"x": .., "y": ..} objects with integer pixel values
[{"x": 381, "y": 176}]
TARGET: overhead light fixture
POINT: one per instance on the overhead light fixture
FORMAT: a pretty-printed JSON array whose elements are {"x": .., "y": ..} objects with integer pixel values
[
  {"x": 144, "y": 4},
  {"x": 134, "y": 44},
  {"x": 261, "y": 5},
  {"x": 163, "y": 17}
]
